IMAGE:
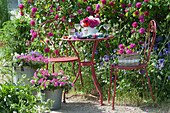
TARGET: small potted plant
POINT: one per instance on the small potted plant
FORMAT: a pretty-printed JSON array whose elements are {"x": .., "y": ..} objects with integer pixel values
[
  {"x": 128, "y": 56},
  {"x": 52, "y": 84},
  {"x": 27, "y": 64}
]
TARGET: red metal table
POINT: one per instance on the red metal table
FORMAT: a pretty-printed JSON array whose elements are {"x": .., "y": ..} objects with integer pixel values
[{"x": 89, "y": 63}]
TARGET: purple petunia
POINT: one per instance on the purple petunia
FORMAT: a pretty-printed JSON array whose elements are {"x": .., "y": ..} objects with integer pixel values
[
  {"x": 135, "y": 24},
  {"x": 161, "y": 60},
  {"x": 98, "y": 6}
]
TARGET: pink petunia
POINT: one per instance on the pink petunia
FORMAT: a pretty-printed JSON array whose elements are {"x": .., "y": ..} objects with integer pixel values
[
  {"x": 92, "y": 13},
  {"x": 50, "y": 34},
  {"x": 96, "y": 11},
  {"x": 63, "y": 17},
  {"x": 22, "y": 13},
  {"x": 56, "y": 52},
  {"x": 97, "y": 6},
  {"x": 97, "y": 16},
  {"x": 129, "y": 5},
  {"x": 132, "y": 46},
  {"x": 71, "y": 16},
  {"x": 62, "y": 71},
  {"x": 79, "y": 11},
  {"x": 146, "y": 1},
  {"x": 32, "y": 81}
]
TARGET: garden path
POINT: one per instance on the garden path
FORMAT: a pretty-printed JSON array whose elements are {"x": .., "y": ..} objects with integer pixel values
[{"x": 82, "y": 105}]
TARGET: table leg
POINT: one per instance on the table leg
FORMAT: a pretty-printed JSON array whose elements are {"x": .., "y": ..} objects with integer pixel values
[
  {"x": 94, "y": 75},
  {"x": 79, "y": 71}
]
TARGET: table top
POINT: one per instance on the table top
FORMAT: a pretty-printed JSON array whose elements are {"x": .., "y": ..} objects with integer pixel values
[{"x": 108, "y": 37}]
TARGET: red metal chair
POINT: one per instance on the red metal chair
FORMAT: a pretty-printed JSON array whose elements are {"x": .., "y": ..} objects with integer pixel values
[
  {"x": 148, "y": 46},
  {"x": 53, "y": 30}
]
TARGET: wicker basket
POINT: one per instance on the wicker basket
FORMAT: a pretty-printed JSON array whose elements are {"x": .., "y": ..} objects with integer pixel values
[{"x": 128, "y": 60}]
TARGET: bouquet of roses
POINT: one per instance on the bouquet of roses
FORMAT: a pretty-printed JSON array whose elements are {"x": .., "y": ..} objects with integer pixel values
[{"x": 90, "y": 22}]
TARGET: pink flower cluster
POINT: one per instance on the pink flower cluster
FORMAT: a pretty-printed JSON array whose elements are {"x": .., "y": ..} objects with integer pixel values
[
  {"x": 48, "y": 80},
  {"x": 38, "y": 58},
  {"x": 127, "y": 50},
  {"x": 90, "y": 22},
  {"x": 21, "y": 6}
]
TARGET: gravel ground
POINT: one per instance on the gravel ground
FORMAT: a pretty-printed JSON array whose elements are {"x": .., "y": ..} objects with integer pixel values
[{"x": 82, "y": 105}]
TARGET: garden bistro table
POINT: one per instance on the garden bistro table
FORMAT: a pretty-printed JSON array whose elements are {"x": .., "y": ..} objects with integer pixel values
[{"x": 88, "y": 63}]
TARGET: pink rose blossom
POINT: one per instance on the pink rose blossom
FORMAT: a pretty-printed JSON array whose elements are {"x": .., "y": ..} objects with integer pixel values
[
  {"x": 107, "y": 45},
  {"x": 34, "y": 9},
  {"x": 146, "y": 1},
  {"x": 31, "y": 31},
  {"x": 72, "y": 84},
  {"x": 136, "y": 13},
  {"x": 84, "y": 0},
  {"x": 50, "y": 34},
  {"x": 111, "y": 3},
  {"x": 58, "y": 8},
  {"x": 121, "y": 46},
  {"x": 142, "y": 31},
  {"x": 96, "y": 11},
  {"x": 126, "y": 11},
  {"x": 128, "y": 51},
  {"x": 32, "y": 22},
  {"x": 129, "y": 5},
  {"x": 103, "y": 1},
  {"x": 140, "y": 42},
  {"x": 133, "y": 31},
  {"x": 132, "y": 46},
  {"x": 22, "y": 13},
  {"x": 78, "y": 4},
  {"x": 146, "y": 13},
  {"x": 21, "y": 6},
  {"x": 56, "y": 52},
  {"x": 98, "y": 6},
  {"x": 121, "y": 15},
  {"x": 71, "y": 16},
  {"x": 47, "y": 50},
  {"x": 138, "y": 5},
  {"x": 88, "y": 8},
  {"x": 135, "y": 24},
  {"x": 63, "y": 17},
  {"x": 56, "y": 17},
  {"x": 92, "y": 13},
  {"x": 97, "y": 16},
  {"x": 121, "y": 51},
  {"x": 34, "y": 35},
  {"x": 79, "y": 11},
  {"x": 32, "y": 39},
  {"x": 123, "y": 6}
]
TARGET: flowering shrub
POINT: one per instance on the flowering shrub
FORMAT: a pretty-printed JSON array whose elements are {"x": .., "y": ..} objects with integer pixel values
[
  {"x": 90, "y": 22},
  {"x": 33, "y": 59},
  {"x": 51, "y": 81}
]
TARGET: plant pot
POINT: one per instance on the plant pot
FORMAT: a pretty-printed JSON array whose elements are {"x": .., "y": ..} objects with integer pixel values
[
  {"x": 23, "y": 70},
  {"x": 54, "y": 95},
  {"x": 128, "y": 60}
]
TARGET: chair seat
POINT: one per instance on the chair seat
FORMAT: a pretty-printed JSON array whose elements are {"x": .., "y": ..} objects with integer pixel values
[
  {"x": 136, "y": 67},
  {"x": 63, "y": 59}
]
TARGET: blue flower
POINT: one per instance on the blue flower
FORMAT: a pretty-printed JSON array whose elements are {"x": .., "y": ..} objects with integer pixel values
[
  {"x": 78, "y": 35},
  {"x": 101, "y": 63},
  {"x": 161, "y": 61},
  {"x": 155, "y": 48},
  {"x": 110, "y": 56},
  {"x": 96, "y": 51},
  {"x": 114, "y": 50},
  {"x": 158, "y": 39},
  {"x": 142, "y": 71},
  {"x": 168, "y": 44},
  {"x": 155, "y": 44},
  {"x": 112, "y": 78},
  {"x": 100, "y": 58},
  {"x": 160, "y": 54},
  {"x": 167, "y": 53},
  {"x": 106, "y": 59},
  {"x": 162, "y": 65},
  {"x": 169, "y": 77},
  {"x": 106, "y": 56}
]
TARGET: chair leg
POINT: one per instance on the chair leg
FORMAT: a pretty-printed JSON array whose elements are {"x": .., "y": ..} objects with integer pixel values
[
  {"x": 110, "y": 84},
  {"x": 114, "y": 89},
  {"x": 64, "y": 97},
  {"x": 143, "y": 80},
  {"x": 53, "y": 67},
  {"x": 74, "y": 69},
  {"x": 149, "y": 85}
]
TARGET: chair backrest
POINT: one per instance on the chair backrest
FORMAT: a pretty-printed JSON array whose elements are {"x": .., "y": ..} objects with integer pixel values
[
  {"x": 50, "y": 33},
  {"x": 149, "y": 40}
]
